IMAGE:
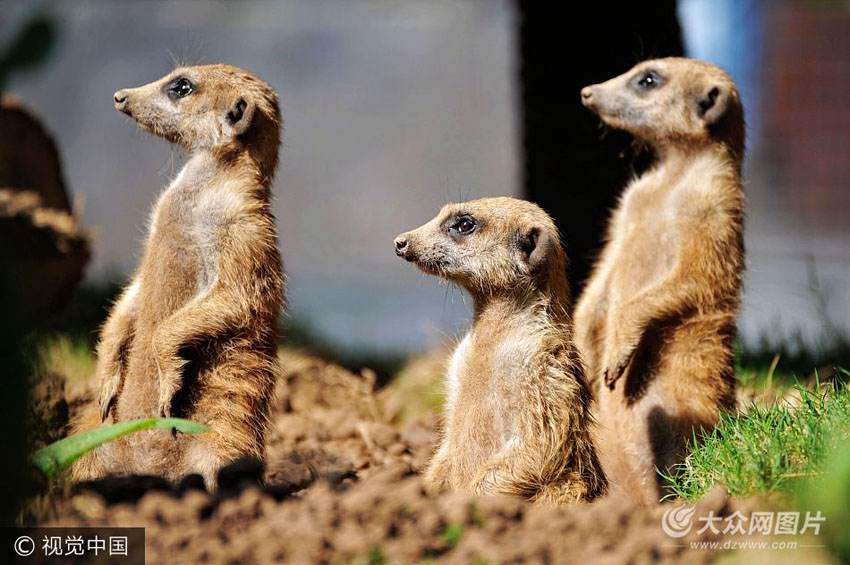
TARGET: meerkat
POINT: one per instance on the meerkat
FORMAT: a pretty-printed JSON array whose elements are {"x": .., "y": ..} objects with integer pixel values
[
  {"x": 517, "y": 418},
  {"x": 194, "y": 333},
  {"x": 656, "y": 323}
]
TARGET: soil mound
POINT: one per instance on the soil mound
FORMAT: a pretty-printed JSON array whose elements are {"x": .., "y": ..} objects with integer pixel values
[{"x": 342, "y": 485}]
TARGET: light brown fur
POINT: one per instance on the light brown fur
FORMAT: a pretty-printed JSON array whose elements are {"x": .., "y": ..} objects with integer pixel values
[
  {"x": 517, "y": 416},
  {"x": 193, "y": 334},
  {"x": 656, "y": 323}
]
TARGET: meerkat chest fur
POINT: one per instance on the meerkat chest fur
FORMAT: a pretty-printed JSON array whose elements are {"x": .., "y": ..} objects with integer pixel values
[
  {"x": 493, "y": 369},
  {"x": 189, "y": 224},
  {"x": 659, "y": 211}
]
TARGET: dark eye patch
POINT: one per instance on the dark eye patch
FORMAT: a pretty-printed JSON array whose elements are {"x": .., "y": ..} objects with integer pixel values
[
  {"x": 180, "y": 88},
  {"x": 463, "y": 224},
  {"x": 647, "y": 80}
]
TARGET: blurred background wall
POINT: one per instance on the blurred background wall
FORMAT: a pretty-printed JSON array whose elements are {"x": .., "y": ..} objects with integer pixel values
[
  {"x": 791, "y": 60},
  {"x": 393, "y": 108}
]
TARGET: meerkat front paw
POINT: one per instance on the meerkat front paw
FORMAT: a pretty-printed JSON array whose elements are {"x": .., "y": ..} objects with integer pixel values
[
  {"x": 170, "y": 380},
  {"x": 486, "y": 481},
  {"x": 616, "y": 366},
  {"x": 436, "y": 477},
  {"x": 619, "y": 349},
  {"x": 167, "y": 390},
  {"x": 164, "y": 407},
  {"x": 108, "y": 394}
]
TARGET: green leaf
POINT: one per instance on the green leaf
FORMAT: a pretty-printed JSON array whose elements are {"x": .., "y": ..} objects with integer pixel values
[
  {"x": 58, "y": 456},
  {"x": 32, "y": 43}
]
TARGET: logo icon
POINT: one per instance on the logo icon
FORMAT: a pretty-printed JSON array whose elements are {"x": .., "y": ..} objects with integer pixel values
[
  {"x": 678, "y": 521},
  {"x": 24, "y": 546}
]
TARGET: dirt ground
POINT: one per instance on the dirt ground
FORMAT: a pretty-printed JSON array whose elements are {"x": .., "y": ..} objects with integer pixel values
[{"x": 342, "y": 485}]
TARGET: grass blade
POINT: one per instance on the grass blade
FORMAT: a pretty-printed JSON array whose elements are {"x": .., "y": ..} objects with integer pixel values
[{"x": 58, "y": 456}]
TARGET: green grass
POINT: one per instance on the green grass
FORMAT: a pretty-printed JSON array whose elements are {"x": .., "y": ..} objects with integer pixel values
[
  {"x": 376, "y": 556},
  {"x": 58, "y": 456},
  {"x": 73, "y": 358},
  {"x": 829, "y": 494},
  {"x": 768, "y": 448},
  {"x": 453, "y": 534}
]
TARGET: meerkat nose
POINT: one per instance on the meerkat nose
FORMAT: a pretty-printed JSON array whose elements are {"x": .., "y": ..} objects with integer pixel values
[
  {"x": 400, "y": 245},
  {"x": 120, "y": 98}
]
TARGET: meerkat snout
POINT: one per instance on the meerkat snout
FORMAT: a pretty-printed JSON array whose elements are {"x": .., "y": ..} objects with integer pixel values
[
  {"x": 401, "y": 246},
  {"x": 120, "y": 99}
]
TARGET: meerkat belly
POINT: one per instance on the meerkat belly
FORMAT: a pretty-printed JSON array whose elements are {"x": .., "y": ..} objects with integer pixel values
[
  {"x": 479, "y": 436},
  {"x": 178, "y": 261},
  {"x": 180, "y": 273},
  {"x": 482, "y": 424},
  {"x": 647, "y": 246}
]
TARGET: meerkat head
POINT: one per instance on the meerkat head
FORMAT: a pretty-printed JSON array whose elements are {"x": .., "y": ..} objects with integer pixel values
[
  {"x": 488, "y": 246},
  {"x": 673, "y": 99},
  {"x": 204, "y": 107}
]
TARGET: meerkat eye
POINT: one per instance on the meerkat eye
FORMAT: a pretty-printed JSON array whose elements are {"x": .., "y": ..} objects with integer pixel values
[
  {"x": 649, "y": 80},
  {"x": 181, "y": 88},
  {"x": 464, "y": 225}
]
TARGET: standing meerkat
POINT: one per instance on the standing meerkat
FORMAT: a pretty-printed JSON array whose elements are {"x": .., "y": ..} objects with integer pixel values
[
  {"x": 193, "y": 334},
  {"x": 517, "y": 415},
  {"x": 656, "y": 323}
]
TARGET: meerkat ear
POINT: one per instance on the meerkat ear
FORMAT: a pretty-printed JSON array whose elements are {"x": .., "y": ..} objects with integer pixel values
[
  {"x": 239, "y": 116},
  {"x": 712, "y": 104},
  {"x": 533, "y": 246}
]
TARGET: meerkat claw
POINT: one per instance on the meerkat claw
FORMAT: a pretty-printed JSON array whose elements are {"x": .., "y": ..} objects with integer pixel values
[{"x": 106, "y": 406}]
